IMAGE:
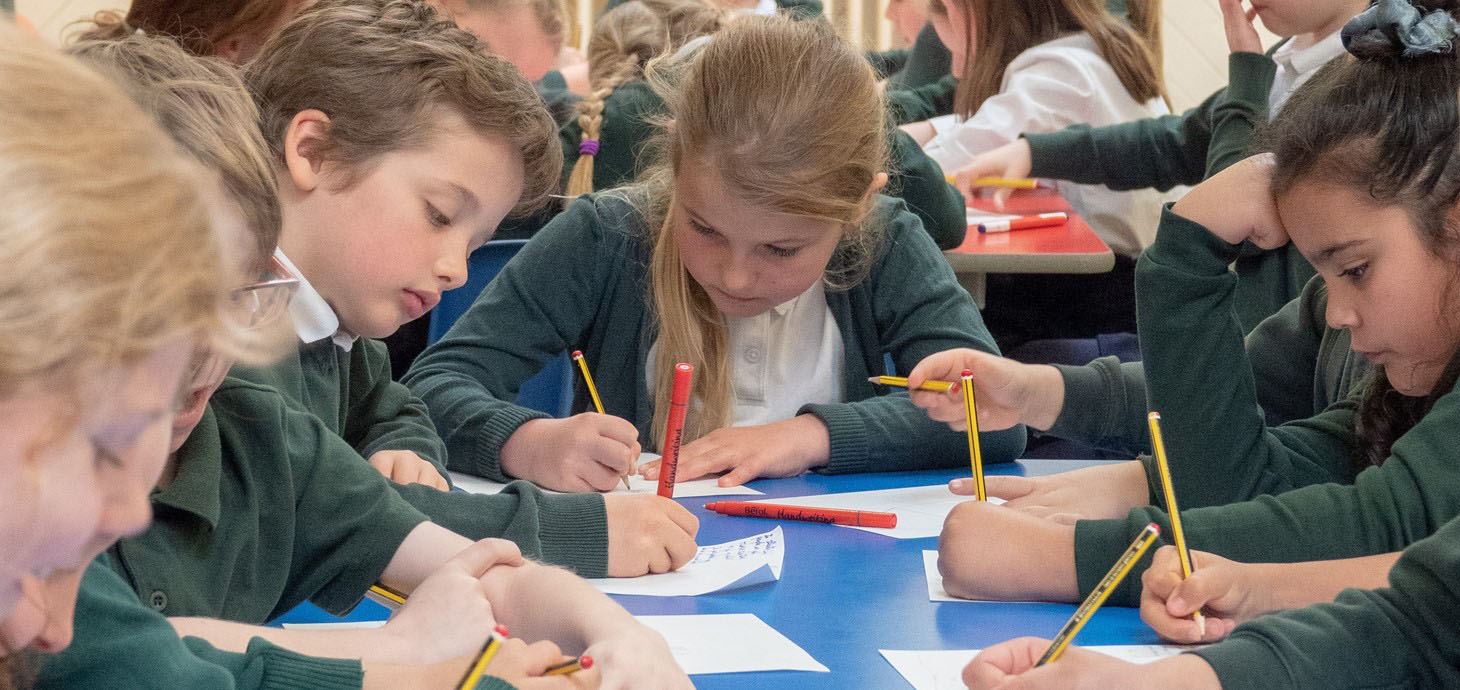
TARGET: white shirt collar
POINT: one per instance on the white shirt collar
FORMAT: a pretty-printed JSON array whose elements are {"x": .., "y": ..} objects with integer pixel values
[
  {"x": 765, "y": 8},
  {"x": 314, "y": 319},
  {"x": 1311, "y": 58}
]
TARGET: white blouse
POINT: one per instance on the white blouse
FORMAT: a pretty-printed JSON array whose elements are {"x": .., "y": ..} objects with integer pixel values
[
  {"x": 1045, "y": 89},
  {"x": 790, "y": 355}
]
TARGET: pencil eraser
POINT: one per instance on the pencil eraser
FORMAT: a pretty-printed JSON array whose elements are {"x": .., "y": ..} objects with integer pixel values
[
  {"x": 585, "y": 661},
  {"x": 967, "y": 373},
  {"x": 500, "y": 630},
  {"x": 577, "y": 354}
]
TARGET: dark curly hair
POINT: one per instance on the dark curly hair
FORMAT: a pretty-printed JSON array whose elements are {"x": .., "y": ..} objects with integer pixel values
[{"x": 1384, "y": 120}]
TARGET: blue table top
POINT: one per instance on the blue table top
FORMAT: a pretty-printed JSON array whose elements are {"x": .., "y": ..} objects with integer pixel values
[{"x": 845, "y": 593}]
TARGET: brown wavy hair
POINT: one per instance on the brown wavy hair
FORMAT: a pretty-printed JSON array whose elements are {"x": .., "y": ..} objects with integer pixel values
[
  {"x": 1389, "y": 127},
  {"x": 196, "y": 24}
]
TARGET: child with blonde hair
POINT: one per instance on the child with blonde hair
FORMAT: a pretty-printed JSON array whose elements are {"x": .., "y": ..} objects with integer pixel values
[{"x": 757, "y": 250}]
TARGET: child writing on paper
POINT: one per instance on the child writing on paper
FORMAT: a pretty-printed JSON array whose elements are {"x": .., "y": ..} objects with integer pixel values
[
  {"x": 1368, "y": 476},
  {"x": 607, "y": 142},
  {"x": 758, "y": 251},
  {"x": 1173, "y": 150},
  {"x": 204, "y": 105},
  {"x": 1041, "y": 65},
  {"x": 294, "y": 514}
]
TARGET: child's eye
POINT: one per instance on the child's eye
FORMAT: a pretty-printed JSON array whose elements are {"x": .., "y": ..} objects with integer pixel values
[
  {"x": 101, "y": 455},
  {"x": 1355, "y": 272},
  {"x": 436, "y": 217},
  {"x": 700, "y": 228},
  {"x": 782, "y": 251}
]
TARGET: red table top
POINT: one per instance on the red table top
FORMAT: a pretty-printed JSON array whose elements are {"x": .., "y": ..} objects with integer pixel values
[{"x": 1074, "y": 237}]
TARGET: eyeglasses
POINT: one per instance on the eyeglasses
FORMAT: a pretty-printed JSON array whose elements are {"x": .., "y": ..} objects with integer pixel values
[{"x": 260, "y": 303}]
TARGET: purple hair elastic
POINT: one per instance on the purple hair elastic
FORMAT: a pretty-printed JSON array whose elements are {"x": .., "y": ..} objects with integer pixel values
[{"x": 588, "y": 147}]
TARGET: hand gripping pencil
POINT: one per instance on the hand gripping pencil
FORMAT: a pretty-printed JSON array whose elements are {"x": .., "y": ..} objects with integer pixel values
[
  {"x": 489, "y": 650},
  {"x": 975, "y": 453},
  {"x": 674, "y": 429},
  {"x": 1101, "y": 592},
  {"x": 1177, "y": 535},
  {"x": 593, "y": 392}
]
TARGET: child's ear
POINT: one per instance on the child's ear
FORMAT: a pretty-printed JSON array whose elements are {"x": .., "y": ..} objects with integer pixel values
[
  {"x": 303, "y": 148},
  {"x": 878, "y": 182}
]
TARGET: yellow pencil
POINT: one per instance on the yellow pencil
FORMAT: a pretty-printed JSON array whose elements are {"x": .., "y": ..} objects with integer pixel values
[
  {"x": 592, "y": 390},
  {"x": 1159, "y": 446},
  {"x": 568, "y": 667},
  {"x": 1101, "y": 592},
  {"x": 1010, "y": 182},
  {"x": 489, "y": 650},
  {"x": 901, "y": 382},
  {"x": 975, "y": 453},
  {"x": 388, "y": 594}
]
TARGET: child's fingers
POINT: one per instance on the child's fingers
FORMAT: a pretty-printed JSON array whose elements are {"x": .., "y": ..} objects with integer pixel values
[
  {"x": 483, "y": 554},
  {"x": 741, "y": 474},
  {"x": 680, "y": 516},
  {"x": 1009, "y": 488}
]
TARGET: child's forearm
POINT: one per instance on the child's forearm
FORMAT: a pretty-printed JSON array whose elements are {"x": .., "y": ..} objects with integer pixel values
[
  {"x": 1298, "y": 585},
  {"x": 424, "y": 551},
  {"x": 538, "y": 602}
]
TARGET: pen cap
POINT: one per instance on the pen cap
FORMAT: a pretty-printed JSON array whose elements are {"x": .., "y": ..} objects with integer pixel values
[{"x": 682, "y": 374}]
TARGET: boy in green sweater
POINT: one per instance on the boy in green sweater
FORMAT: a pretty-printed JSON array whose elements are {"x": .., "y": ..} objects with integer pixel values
[
  {"x": 1175, "y": 150},
  {"x": 1368, "y": 476}
]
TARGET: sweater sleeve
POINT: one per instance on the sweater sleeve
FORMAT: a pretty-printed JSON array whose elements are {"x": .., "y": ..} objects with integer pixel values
[
  {"x": 927, "y": 62},
  {"x": 1239, "y": 109},
  {"x": 119, "y": 643},
  {"x": 1402, "y": 636},
  {"x": 923, "y": 102},
  {"x": 1160, "y": 152},
  {"x": 1285, "y": 356},
  {"x": 570, "y": 530},
  {"x": 471, "y": 376},
  {"x": 1385, "y": 509},
  {"x": 920, "y": 182},
  {"x": 383, "y": 413},
  {"x": 914, "y": 319},
  {"x": 1199, "y": 379},
  {"x": 1105, "y": 406}
]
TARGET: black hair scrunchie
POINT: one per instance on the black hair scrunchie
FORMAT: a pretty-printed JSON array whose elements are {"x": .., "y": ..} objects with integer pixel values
[{"x": 1395, "y": 28}]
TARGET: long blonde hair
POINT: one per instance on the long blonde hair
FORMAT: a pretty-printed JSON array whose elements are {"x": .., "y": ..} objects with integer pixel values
[
  {"x": 1023, "y": 24},
  {"x": 106, "y": 240},
  {"x": 791, "y": 115},
  {"x": 625, "y": 40}
]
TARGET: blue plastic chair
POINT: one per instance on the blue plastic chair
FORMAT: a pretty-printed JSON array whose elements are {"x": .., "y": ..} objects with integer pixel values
[{"x": 551, "y": 390}]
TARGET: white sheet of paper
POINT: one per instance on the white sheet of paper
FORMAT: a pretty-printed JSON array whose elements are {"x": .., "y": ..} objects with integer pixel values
[
  {"x": 935, "y": 583},
  {"x": 976, "y": 215},
  {"x": 731, "y": 565},
  {"x": 920, "y": 509},
  {"x": 637, "y": 485},
  {"x": 942, "y": 669},
  {"x": 729, "y": 643},
  {"x": 343, "y": 625}
]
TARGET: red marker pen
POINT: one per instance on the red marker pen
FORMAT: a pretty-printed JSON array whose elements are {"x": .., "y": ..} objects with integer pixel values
[
  {"x": 1042, "y": 220},
  {"x": 829, "y": 516},
  {"x": 674, "y": 429}
]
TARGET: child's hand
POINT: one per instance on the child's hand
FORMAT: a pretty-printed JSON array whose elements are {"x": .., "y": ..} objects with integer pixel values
[
  {"x": 405, "y": 467},
  {"x": 635, "y": 657},
  {"x": 1006, "y": 392},
  {"x": 1012, "y": 160},
  {"x": 522, "y": 665},
  {"x": 1227, "y": 592},
  {"x": 648, "y": 534},
  {"x": 448, "y": 615},
  {"x": 1241, "y": 35},
  {"x": 1237, "y": 204},
  {"x": 1093, "y": 493},
  {"x": 1010, "y": 666},
  {"x": 782, "y": 449},
  {"x": 987, "y": 551},
  {"x": 585, "y": 452}
]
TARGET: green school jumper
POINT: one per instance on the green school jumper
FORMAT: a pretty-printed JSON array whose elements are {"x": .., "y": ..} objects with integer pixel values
[
  {"x": 270, "y": 509},
  {"x": 1308, "y": 500},
  {"x": 1402, "y": 636},
  {"x": 1298, "y": 365},
  {"x": 627, "y": 130},
  {"x": 582, "y": 283},
  {"x": 1185, "y": 149},
  {"x": 353, "y": 394},
  {"x": 120, "y": 643}
]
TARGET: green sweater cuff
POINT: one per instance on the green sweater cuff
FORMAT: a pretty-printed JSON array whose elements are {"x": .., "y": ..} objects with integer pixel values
[
  {"x": 1245, "y": 661},
  {"x": 573, "y": 531},
  {"x": 499, "y": 426},
  {"x": 286, "y": 670},
  {"x": 494, "y": 683},
  {"x": 1068, "y": 154},
  {"x": 1098, "y": 544},
  {"x": 1087, "y": 415},
  {"x": 1250, "y": 77},
  {"x": 848, "y": 437},
  {"x": 1188, "y": 244}
]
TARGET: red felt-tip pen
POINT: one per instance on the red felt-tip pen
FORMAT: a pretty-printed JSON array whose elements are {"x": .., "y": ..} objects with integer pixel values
[
  {"x": 830, "y": 516},
  {"x": 1042, "y": 220},
  {"x": 674, "y": 429}
]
